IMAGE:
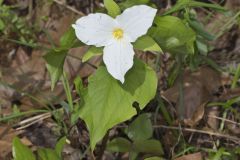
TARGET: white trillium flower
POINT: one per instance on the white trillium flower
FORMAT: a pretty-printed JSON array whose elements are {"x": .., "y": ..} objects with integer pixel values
[{"x": 116, "y": 35}]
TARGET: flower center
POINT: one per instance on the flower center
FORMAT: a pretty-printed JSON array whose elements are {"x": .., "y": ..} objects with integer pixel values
[{"x": 118, "y": 33}]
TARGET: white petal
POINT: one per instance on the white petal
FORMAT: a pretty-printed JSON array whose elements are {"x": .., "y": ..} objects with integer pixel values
[
  {"x": 136, "y": 20},
  {"x": 118, "y": 58},
  {"x": 95, "y": 29}
]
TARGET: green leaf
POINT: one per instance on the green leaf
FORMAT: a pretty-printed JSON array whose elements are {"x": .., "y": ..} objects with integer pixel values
[
  {"x": 140, "y": 128},
  {"x": 154, "y": 158},
  {"x": 119, "y": 145},
  {"x": 2, "y": 25},
  {"x": 202, "y": 47},
  {"x": 218, "y": 155},
  {"x": 146, "y": 43},
  {"x": 92, "y": 51},
  {"x": 81, "y": 90},
  {"x": 133, "y": 155},
  {"x": 47, "y": 154},
  {"x": 129, "y": 3},
  {"x": 55, "y": 61},
  {"x": 199, "y": 28},
  {"x": 59, "y": 146},
  {"x": 148, "y": 146},
  {"x": 68, "y": 93},
  {"x": 20, "y": 151},
  {"x": 172, "y": 39},
  {"x": 108, "y": 102},
  {"x": 181, "y": 4},
  {"x": 112, "y": 8},
  {"x": 208, "y": 5},
  {"x": 68, "y": 39},
  {"x": 78, "y": 85}
]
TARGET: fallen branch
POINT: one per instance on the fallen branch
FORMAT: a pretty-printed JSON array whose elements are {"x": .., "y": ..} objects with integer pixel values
[
  {"x": 69, "y": 8},
  {"x": 232, "y": 138}
]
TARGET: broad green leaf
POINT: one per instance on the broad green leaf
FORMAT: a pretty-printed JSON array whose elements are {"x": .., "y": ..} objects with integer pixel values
[
  {"x": 148, "y": 146},
  {"x": 140, "y": 128},
  {"x": 112, "y": 8},
  {"x": 59, "y": 146},
  {"x": 55, "y": 61},
  {"x": 154, "y": 158},
  {"x": 2, "y": 25},
  {"x": 119, "y": 145},
  {"x": 133, "y": 155},
  {"x": 92, "y": 51},
  {"x": 172, "y": 42},
  {"x": 20, "y": 151},
  {"x": 47, "y": 154},
  {"x": 129, "y": 3},
  {"x": 67, "y": 40},
  {"x": 108, "y": 102},
  {"x": 146, "y": 43},
  {"x": 172, "y": 35}
]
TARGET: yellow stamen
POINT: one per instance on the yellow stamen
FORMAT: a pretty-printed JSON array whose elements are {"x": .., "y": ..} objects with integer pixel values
[{"x": 118, "y": 33}]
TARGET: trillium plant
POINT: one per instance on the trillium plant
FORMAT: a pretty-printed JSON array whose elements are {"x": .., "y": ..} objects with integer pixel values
[
  {"x": 111, "y": 103},
  {"x": 123, "y": 79},
  {"x": 116, "y": 35}
]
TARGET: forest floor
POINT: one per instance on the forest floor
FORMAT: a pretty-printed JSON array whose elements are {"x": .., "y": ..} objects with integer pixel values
[{"x": 208, "y": 125}]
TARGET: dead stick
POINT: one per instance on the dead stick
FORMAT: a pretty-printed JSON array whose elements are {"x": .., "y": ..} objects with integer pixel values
[
  {"x": 103, "y": 146},
  {"x": 69, "y": 8},
  {"x": 232, "y": 138}
]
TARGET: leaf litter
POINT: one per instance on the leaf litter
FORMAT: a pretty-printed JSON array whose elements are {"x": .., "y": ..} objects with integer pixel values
[{"x": 26, "y": 73}]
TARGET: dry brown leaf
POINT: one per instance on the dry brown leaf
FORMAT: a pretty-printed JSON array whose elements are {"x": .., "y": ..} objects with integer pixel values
[
  {"x": 233, "y": 128},
  {"x": 198, "y": 89},
  {"x": 233, "y": 5},
  {"x": 212, "y": 122},
  {"x": 196, "y": 116},
  {"x": 20, "y": 58},
  {"x": 7, "y": 135},
  {"x": 59, "y": 21},
  {"x": 26, "y": 141},
  {"x": 5, "y": 148},
  {"x": 194, "y": 156},
  {"x": 28, "y": 78},
  {"x": 229, "y": 94}
]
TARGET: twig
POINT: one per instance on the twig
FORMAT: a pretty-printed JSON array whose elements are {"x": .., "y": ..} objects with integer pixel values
[
  {"x": 224, "y": 119},
  {"x": 90, "y": 64},
  {"x": 69, "y": 8},
  {"x": 32, "y": 120},
  {"x": 92, "y": 157},
  {"x": 103, "y": 146},
  {"x": 232, "y": 138}
]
